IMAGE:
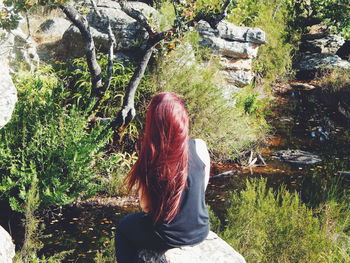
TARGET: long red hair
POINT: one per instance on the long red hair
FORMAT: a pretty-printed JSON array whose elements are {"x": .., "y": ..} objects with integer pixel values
[{"x": 162, "y": 166}]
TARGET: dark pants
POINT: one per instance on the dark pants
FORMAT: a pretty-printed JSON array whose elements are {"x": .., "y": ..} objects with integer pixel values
[{"x": 136, "y": 232}]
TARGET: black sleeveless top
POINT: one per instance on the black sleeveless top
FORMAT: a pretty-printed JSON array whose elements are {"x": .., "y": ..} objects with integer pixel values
[{"x": 191, "y": 224}]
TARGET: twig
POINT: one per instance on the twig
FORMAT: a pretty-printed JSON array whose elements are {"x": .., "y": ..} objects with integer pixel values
[
  {"x": 9, "y": 225},
  {"x": 276, "y": 10},
  {"x": 251, "y": 157},
  {"x": 262, "y": 159}
]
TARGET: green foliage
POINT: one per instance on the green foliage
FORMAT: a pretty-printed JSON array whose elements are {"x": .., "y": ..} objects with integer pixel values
[
  {"x": 337, "y": 81},
  {"x": 106, "y": 254},
  {"x": 333, "y": 13},
  {"x": 215, "y": 223},
  {"x": 274, "y": 59},
  {"x": 167, "y": 15},
  {"x": 12, "y": 10},
  {"x": 277, "y": 227},
  {"x": 228, "y": 131},
  {"x": 48, "y": 139},
  {"x": 78, "y": 77}
]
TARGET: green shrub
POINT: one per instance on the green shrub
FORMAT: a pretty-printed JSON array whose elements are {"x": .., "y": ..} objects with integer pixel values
[
  {"x": 113, "y": 167},
  {"x": 335, "y": 14},
  {"x": 106, "y": 254},
  {"x": 48, "y": 139},
  {"x": 215, "y": 223},
  {"x": 277, "y": 227}
]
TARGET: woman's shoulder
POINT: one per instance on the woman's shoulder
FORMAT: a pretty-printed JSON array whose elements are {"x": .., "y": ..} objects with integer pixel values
[{"x": 201, "y": 150}]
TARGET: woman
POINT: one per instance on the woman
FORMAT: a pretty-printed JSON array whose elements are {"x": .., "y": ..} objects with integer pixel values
[{"x": 170, "y": 177}]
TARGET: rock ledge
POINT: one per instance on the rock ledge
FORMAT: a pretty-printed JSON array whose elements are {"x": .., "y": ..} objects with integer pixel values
[{"x": 211, "y": 250}]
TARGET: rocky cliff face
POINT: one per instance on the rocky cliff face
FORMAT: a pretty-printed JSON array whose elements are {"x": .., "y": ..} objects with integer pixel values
[
  {"x": 236, "y": 47},
  {"x": 8, "y": 98}
]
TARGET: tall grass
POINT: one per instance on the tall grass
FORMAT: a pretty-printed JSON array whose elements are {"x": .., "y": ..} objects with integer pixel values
[
  {"x": 277, "y": 227},
  {"x": 227, "y": 128},
  {"x": 32, "y": 240},
  {"x": 336, "y": 84}
]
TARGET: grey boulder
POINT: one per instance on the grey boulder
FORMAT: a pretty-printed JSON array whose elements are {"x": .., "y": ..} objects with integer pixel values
[
  {"x": 8, "y": 94},
  {"x": 211, "y": 250},
  {"x": 236, "y": 47},
  {"x": 297, "y": 157},
  {"x": 321, "y": 43},
  {"x": 130, "y": 35},
  {"x": 7, "y": 248},
  {"x": 312, "y": 64}
]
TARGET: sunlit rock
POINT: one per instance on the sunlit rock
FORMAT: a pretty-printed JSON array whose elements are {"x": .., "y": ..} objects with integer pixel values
[
  {"x": 18, "y": 49},
  {"x": 49, "y": 35},
  {"x": 8, "y": 92},
  {"x": 212, "y": 250},
  {"x": 130, "y": 35},
  {"x": 297, "y": 157},
  {"x": 321, "y": 43},
  {"x": 7, "y": 248},
  {"x": 312, "y": 64},
  {"x": 236, "y": 47}
]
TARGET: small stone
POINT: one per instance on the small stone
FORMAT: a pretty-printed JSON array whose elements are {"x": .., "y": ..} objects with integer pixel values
[{"x": 297, "y": 157}]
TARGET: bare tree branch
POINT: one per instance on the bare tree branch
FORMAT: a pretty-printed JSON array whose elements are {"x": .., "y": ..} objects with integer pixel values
[
  {"x": 28, "y": 26},
  {"x": 90, "y": 51},
  {"x": 128, "y": 111},
  {"x": 112, "y": 44}
]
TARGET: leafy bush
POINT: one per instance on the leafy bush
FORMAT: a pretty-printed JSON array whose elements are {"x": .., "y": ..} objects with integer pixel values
[
  {"x": 50, "y": 140},
  {"x": 277, "y": 227}
]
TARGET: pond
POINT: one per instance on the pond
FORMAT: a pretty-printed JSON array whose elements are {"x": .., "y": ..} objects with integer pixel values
[{"x": 299, "y": 120}]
